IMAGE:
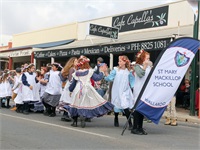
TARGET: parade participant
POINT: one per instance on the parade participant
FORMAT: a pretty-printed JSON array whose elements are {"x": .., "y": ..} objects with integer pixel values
[
  {"x": 37, "y": 106},
  {"x": 86, "y": 102},
  {"x": 19, "y": 97},
  {"x": 6, "y": 89},
  {"x": 53, "y": 90},
  {"x": 142, "y": 70},
  {"x": 42, "y": 82},
  {"x": 30, "y": 92},
  {"x": 2, "y": 104},
  {"x": 132, "y": 67},
  {"x": 17, "y": 83},
  {"x": 24, "y": 67},
  {"x": 65, "y": 99},
  {"x": 44, "y": 79},
  {"x": 122, "y": 96}
]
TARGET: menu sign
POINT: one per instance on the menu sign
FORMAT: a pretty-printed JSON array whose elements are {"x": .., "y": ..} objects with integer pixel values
[
  {"x": 150, "y": 18},
  {"x": 103, "y": 31}
]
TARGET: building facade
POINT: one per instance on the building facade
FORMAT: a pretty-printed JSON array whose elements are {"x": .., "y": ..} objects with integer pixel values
[{"x": 151, "y": 29}]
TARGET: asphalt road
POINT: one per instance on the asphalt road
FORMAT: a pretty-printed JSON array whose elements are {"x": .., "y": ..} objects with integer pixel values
[{"x": 36, "y": 131}]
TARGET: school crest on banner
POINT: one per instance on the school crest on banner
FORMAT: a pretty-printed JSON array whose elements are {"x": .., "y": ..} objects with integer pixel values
[{"x": 181, "y": 59}]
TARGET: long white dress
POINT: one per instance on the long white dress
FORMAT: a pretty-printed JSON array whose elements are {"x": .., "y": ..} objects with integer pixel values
[
  {"x": 86, "y": 101},
  {"x": 17, "y": 83},
  {"x": 6, "y": 90},
  {"x": 19, "y": 98},
  {"x": 139, "y": 82},
  {"x": 122, "y": 96}
]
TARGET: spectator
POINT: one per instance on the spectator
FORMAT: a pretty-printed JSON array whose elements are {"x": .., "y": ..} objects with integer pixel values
[
  {"x": 171, "y": 113},
  {"x": 100, "y": 62},
  {"x": 183, "y": 93}
]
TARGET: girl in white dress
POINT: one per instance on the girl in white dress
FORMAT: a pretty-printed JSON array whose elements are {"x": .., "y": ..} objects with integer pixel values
[
  {"x": 65, "y": 99},
  {"x": 17, "y": 82},
  {"x": 86, "y": 102},
  {"x": 16, "y": 86},
  {"x": 122, "y": 96},
  {"x": 6, "y": 88},
  {"x": 1, "y": 90},
  {"x": 30, "y": 92},
  {"x": 142, "y": 70},
  {"x": 53, "y": 90}
]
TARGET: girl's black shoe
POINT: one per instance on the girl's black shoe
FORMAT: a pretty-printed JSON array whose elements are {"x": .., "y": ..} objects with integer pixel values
[
  {"x": 74, "y": 123},
  {"x": 66, "y": 117},
  {"x": 143, "y": 131},
  {"x": 82, "y": 122},
  {"x": 52, "y": 115},
  {"x": 116, "y": 122},
  {"x": 136, "y": 131}
]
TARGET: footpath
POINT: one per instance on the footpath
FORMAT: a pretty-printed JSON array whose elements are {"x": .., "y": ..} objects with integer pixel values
[{"x": 183, "y": 115}]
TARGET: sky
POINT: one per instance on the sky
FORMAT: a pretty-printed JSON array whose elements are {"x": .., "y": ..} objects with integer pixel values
[{"x": 18, "y": 16}]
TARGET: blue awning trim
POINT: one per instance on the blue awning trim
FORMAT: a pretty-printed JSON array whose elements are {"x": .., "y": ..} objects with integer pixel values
[
  {"x": 53, "y": 44},
  {"x": 43, "y": 45},
  {"x": 20, "y": 48}
]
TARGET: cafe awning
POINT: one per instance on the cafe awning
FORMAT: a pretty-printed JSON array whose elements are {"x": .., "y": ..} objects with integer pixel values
[
  {"x": 53, "y": 44},
  {"x": 127, "y": 37}
]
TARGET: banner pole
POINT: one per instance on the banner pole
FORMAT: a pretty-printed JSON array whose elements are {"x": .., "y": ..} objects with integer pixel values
[{"x": 194, "y": 68}]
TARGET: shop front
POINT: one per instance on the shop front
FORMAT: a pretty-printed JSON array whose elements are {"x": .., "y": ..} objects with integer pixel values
[
  {"x": 4, "y": 59},
  {"x": 130, "y": 49},
  {"x": 3, "y": 63},
  {"x": 19, "y": 56}
]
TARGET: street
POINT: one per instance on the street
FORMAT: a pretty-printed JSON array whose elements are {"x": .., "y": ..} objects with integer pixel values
[{"x": 36, "y": 131}]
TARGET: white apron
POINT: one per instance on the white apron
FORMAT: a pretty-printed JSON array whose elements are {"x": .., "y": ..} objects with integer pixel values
[
  {"x": 28, "y": 94},
  {"x": 65, "y": 97},
  {"x": 84, "y": 94},
  {"x": 19, "y": 98},
  {"x": 17, "y": 81},
  {"x": 122, "y": 96},
  {"x": 6, "y": 89},
  {"x": 139, "y": 82},
  {"x": 54, "y": 86}
]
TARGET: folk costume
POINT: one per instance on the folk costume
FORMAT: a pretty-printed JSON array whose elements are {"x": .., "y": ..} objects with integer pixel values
[
  {"x": 6, "y": 91},
  {"x": 53, "y": 91},
  {"x": 122, "y": 96},
  {"x": 65, "y": 98},
  {"x": 141, "y": 73},
  {"x": 86, "y": 102},
  {"x": 28, "y": 95}
]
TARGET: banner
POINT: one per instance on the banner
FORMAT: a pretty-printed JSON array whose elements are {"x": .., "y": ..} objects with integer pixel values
[{"x": 165, "y": 78}]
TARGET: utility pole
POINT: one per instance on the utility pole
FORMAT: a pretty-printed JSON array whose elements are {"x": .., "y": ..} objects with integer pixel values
[{"x": 194, "y": 74}]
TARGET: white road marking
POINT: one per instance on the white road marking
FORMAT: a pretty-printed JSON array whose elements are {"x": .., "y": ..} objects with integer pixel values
[{"x": 60, "y": 126}]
